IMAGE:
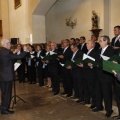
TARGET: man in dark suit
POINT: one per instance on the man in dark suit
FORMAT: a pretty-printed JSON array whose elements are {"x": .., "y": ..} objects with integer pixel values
[
  {"x": 97, "y": 45},
  {"x": 7, "y": 74},
  {"x": 89, "y": 75},
  {"x": 66, "y": 55},
  {"x": 53, "y": 70},
  {"x": 39, "y": 65},
  {"x": 72, "y": 41},
  {"x": 104, "y": 83},
  {"x": 117, "y": 93},
  {"x": 76, "y": 72},
  {"x": 82, "y": 45},
  {"x": 115, "y": 41}
]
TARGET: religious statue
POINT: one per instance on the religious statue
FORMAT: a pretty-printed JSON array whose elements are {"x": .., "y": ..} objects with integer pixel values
[{"x": 94, "y": 20}]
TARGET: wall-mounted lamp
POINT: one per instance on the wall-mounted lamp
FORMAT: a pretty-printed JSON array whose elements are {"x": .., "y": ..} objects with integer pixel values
[{"x": 70, "y": 22}]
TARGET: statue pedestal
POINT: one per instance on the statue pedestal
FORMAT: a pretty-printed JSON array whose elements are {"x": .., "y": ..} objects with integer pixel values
[{"x": 96, "y": 32}]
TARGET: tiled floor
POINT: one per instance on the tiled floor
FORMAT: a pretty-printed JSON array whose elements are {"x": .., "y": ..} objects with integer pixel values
[{"x": 42, "y": 105}]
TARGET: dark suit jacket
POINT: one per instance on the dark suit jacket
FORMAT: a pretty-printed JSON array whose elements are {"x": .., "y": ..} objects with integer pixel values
[
  {"x": 76, "y": 70},
  {"x": 33, "y": 62},
  {"x": 103, "y": 75},
  {"x": 97, "y": 46},
  {"x": 67, "y": 55},
  {"x": 90, "y": 73},
  {"x": 7, "y": 59},
  {"x": 38, "y": 59},
  {"x": 84, "y": 48},
  {"x": 53, "y": 64},
  {"x": 117, "y": 44}
]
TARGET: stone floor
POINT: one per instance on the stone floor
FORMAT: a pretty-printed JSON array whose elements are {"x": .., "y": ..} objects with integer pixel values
[{"x": 42, "y": 105}]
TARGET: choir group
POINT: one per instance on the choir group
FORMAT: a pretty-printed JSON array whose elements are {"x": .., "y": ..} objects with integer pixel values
[{"x": 81, "y": 79}]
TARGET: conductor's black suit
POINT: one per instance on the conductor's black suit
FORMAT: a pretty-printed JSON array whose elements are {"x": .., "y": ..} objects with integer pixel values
[{"x": 7, "y": 59}]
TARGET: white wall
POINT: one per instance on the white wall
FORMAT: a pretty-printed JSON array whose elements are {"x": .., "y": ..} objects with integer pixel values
[
  {"x": 20, "y": 20},
  {"x": 0, "y": 10},
  {"x": 39, "y": 34},
  {"x": 18, "y": 23},
  {"x": 115, "y": 16},
  {"x": 5, "y": 18},
  {"x": 56, "y": 30}
]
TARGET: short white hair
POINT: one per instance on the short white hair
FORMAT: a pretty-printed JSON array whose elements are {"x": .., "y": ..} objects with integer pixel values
[{"x": 4, "y": 41}]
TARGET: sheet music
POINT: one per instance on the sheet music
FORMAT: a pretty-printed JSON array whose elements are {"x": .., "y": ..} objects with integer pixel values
[
  {"x": 61, "y": 64},
  {"x": 52, "y": 53},
  {"x": 32, "y": 56},
  {"x": 86, "y": 56},
  {"x": 105, "y": 57},
  {"x": 41, "y": 57},
  {"x": 16, "y": 65}
]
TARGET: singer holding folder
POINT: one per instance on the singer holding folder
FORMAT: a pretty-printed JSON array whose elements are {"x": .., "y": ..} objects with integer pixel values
[
  {"x": 7, "y": 73},
  {"x": 117, "y": 93},
  {"x": 104, "y": 79}
]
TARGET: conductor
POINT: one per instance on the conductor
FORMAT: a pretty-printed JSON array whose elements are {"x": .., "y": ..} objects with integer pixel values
[{"x": 7, "y": 59}]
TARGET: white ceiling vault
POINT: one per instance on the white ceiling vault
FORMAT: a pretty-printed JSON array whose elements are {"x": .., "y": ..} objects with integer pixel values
[{"x": 44, "y": 6}]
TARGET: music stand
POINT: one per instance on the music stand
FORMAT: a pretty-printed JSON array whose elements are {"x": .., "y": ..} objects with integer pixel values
[{"x": 16, "y": 65}]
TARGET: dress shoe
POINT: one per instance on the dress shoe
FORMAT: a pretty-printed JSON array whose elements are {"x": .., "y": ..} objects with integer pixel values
[
  {"x": 80, "y": 101},
  {"x": 68, "y": 95},
  {"x": 92, "y": 106},
  {"x": 116, "y": 117},
  {"x": 63, "y": 93},
  {"x": 87, "y": 102},
  {"x": 97, "y": 109},
  {"x": 55, "y": 93},
  {"x": 74, "y": 97},
  {"x": 7, "y": 112},
  {"x": 108, "y": 114},
  {"x": 33, "y": 82}
]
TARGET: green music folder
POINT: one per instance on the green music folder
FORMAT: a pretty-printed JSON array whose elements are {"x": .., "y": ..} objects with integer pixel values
[
  {"x": 87, "y": 60},
  {"x": 109, "y": 66},
  {"x": 115, "y": 58},
  {"x": 69, "y": 63},
  {"x": 54, "y": 56},
  {"x": 48, "y": 57},
  {"x": 78, "y": 61}
]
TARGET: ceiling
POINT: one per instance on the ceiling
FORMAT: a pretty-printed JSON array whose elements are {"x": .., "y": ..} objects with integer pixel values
[{"x": 44, "y": 6}]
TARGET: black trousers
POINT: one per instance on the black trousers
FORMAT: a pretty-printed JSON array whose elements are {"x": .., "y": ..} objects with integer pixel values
[
  {"x": 67, "y": 81},
  {"x": 117, "y": 94},
  {"x": 21, "y": 73},
  {"x": 75, "y": 86},
  {"x": 89, "y": 91},
  {"x": 32, "y": 74},
  {"x": 104, "y": 91},
  {"x": 55, "y": 81},
  {"x": 6, "y": 89},
  {"x": 40, "y": 72}
]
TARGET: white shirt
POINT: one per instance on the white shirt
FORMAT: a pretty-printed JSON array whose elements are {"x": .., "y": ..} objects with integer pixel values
[
  {"x": 89, "y": 51},
  {"x": 18, "y": 53},
  {"x": 65, "y": 49},
  {"x": 47, "y": 53},
  {"x": 116, "y": 39},
  {"x": 38, "y": 53},
  {"x": 82, "y": 46},
  {"x": 103, "y": 50},
  {"x": 74, "y": 55}
]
